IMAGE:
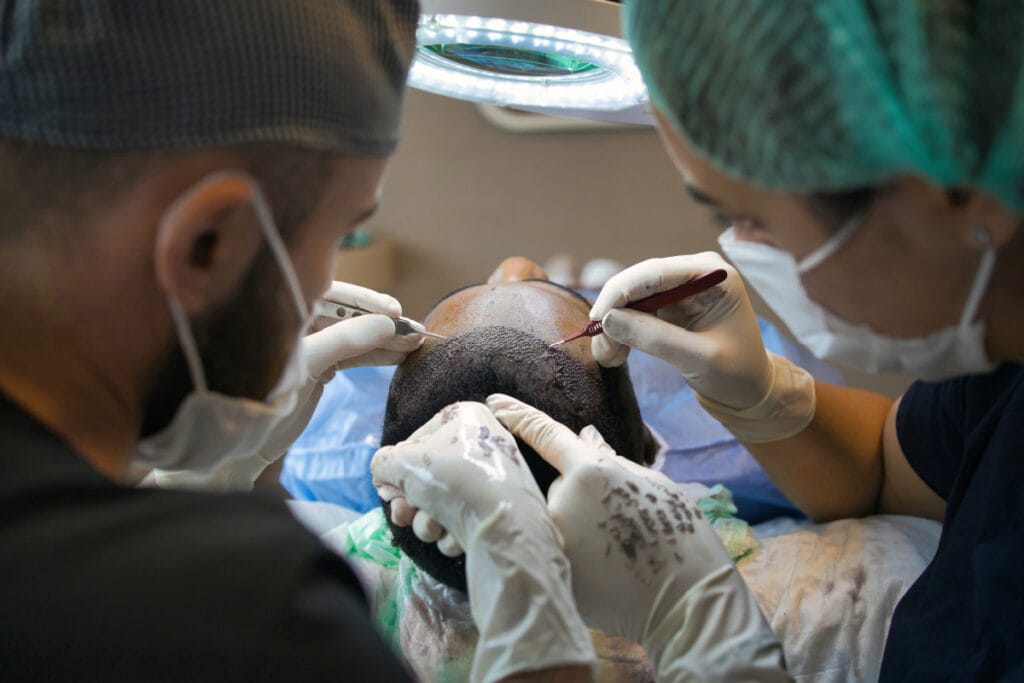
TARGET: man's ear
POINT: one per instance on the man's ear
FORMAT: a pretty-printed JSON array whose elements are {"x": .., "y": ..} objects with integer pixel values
[{"x": 207, "y": 241}]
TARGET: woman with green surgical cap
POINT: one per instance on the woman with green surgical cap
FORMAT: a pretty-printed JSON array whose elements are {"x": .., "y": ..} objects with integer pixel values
[{"x": 868, "y": 156}]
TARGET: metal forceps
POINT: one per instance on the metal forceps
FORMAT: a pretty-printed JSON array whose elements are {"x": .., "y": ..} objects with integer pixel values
[{"x": 403, "y": 326}]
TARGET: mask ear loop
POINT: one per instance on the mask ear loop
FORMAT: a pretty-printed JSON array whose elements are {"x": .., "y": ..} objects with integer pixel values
[
  {"x": 188, "y": 345},
  {"x": 276, "y": 244},
  {"x": 831, "y": 245},
  {"x": 981, "y": 280}
]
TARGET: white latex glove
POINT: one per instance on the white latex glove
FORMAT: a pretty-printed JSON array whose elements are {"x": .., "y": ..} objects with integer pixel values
[
  {"x": 714, "y": 340},
  {"x": 334, "y": 345},
  {"x": 646, "y": 564},
  {"x": 464, "y": 469}
]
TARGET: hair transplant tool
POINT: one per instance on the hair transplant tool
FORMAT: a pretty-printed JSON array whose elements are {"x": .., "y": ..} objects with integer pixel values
[
  {"x": 403, "y": 326},
  {"x": 652, "y": 303}
]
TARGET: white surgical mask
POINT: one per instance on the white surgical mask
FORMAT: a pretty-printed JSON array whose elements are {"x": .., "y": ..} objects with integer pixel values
[
  {"x": 211, "y": 428},
  {"x": 775, "y": 274}
]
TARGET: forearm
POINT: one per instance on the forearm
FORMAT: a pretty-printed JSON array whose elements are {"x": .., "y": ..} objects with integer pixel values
[
  {"x": 834, "y": 467},
  {"x": 714, "y": 632},
  {"x": 522, "y": 601}
]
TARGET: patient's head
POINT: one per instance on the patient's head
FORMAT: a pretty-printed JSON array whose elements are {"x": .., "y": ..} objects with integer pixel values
[{"x": 500, "y": 334}]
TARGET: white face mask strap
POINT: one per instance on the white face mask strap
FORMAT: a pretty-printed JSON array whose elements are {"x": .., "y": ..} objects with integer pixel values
[
  {"x": 284, "y": 261},
  {"x": 188, "y": 345},
  {"x": 831, "y": 245},
  {"x": 981, "y": 279}
]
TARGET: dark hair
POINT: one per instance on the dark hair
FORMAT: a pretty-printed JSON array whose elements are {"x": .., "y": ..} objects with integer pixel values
[
  {"x": 836, "y": 207},
  {"x": 500, "y": 359},
  {"x": 40, "y": 182}
]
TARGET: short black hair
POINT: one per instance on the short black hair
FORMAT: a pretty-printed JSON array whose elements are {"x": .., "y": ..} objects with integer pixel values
[{"x": 499, "y": 359}]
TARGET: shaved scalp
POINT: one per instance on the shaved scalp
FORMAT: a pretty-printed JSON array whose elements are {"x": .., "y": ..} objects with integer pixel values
[{"x": 498, "y": 359}]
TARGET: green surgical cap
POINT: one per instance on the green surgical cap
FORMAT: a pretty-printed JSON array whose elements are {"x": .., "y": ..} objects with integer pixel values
[
  {"x": 828, "y": 95},
  {"x": 178, "y": 74}
]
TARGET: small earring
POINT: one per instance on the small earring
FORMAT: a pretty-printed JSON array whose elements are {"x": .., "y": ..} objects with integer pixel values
[{"x": 981, "y": 236}]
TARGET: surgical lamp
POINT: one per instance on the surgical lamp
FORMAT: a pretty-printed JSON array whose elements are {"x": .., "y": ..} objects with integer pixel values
[{"x": 561, "y": 57}]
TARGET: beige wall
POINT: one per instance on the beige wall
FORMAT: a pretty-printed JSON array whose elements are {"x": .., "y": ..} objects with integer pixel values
[{"x": 462, "y": 194}]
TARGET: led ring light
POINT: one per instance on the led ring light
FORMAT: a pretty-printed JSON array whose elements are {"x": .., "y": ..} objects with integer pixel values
[{"x": 514, "y": 62}]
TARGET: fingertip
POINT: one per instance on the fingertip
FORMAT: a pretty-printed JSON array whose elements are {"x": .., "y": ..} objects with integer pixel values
[
  {"x": 554, "y": 488},
  {"x": 448, "y": 546},
  {"x": 605, "y": 302},
  {"x": 591, "y": 436},
  {"x": 378, "y": 462},
  {"x": 402, "y": 512},
  {"x": 608, "y": 352},
  {"x": 405, "y": 342},
  {"x": 388, "y": 492},
  {"x": 390, "y": 306},
  {"x": 501, "y": 402},
  {"x": 613, "y": 325},
  {"x": 426, "y": 528},
  {"x": 374, "y": 326}
]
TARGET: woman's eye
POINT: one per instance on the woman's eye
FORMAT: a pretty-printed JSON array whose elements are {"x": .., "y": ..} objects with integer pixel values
[
  {"x": 751, "y": 230},
  {"x": 721, "y": 220},
  {"x": 743, "y": 227}
]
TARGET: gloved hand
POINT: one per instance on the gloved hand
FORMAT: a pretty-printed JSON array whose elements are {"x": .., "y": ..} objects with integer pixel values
[
  {"x": 714, "y": 340},
  {"x": 464, "y": 469},
  {"x": 334, "y": 345},
  {"x": 646, "y": 564}
]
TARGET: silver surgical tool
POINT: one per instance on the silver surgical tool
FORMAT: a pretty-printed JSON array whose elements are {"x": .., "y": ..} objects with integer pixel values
[{"x": 403, "y": 326}]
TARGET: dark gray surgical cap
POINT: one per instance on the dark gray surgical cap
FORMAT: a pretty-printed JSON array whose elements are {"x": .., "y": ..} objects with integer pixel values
[{"x": 179, "y": 74}]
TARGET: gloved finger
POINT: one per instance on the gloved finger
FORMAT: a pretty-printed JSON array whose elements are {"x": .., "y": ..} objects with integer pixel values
[
  {"x": 377, "y": 358},
  {"x": 404, "y": 342},
  {"x": 650, "y": 334},
  {"x": 402, "y": 512},
  {"x": 400, "y": 467},
  {"x": 363, "y": 297},
  {"x": 426, "y": 528},
  {"x": 387, "y": 469},
  {"x": 652, "y": 276},
  {"x": 449, "y": 547},
  {"x": 607, "y": 351},
  {"x": 554, "y": 491},
  {"x": 346, "y": 339},
  {"x": 397, "y": 342},
  {"x": 388, "y": 492},
  {"x": 552, "y": 440},
  {"x": 592, "y": 437}
]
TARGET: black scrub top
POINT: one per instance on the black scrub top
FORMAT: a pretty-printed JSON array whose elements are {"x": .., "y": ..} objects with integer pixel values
[
  {"x": 963, "y": 619},
  {"x": 102, "y": 582}
]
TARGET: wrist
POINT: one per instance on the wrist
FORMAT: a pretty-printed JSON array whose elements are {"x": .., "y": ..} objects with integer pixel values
[
  {"x": 521, "y": 598},
  {"x": 714, "y": 632},
  {"x": 785, "y": 411}
]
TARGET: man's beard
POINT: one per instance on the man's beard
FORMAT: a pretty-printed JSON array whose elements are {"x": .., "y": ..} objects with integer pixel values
[{"x": 243, "y": 346}]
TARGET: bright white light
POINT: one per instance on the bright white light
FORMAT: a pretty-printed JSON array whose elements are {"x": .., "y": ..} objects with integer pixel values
[{"x": 614, "y": 84}]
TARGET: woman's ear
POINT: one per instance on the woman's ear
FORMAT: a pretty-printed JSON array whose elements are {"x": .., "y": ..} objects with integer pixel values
[
  {"x": 207, "y": 241},
  {"x": 651, "y": 446},
  {"x": 987, "y": 222}
]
